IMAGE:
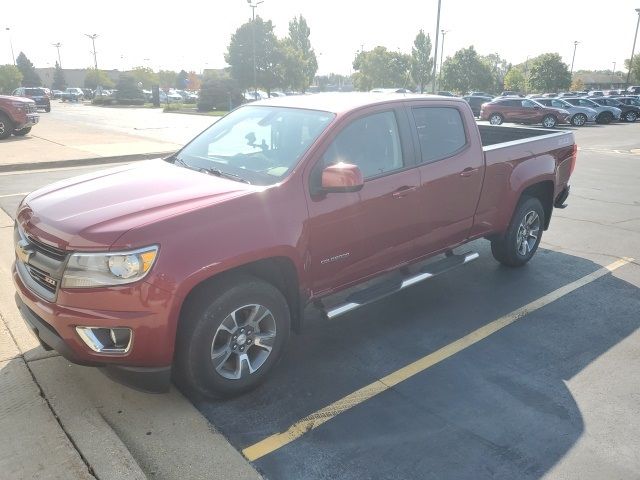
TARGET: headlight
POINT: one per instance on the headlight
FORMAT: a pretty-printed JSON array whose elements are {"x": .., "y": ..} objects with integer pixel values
[{"x": 87, "y": 270}]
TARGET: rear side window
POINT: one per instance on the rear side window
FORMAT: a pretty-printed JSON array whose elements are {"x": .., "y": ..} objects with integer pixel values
[{"x": 440, "y": 132}]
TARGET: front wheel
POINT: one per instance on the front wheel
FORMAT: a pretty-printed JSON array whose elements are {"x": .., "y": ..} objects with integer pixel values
[
  {"x": 6, "y": 126},
  {"x": 231, "y": 336},
  {"x": 518, "y": 245},
  {"x": 549, "y": 121},
  {"x": 47, "y": 108},
  {"x": 631, "y": 116},
  {"x": 578, "y": 120},
  {"x": 496, "y": 119},
  {"x": 23, "y": 132},
  {"x": 605, "y": 118}
]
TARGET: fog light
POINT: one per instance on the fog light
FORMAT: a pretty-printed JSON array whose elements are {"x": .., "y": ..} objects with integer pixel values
[{"x": 106, "y": 340}]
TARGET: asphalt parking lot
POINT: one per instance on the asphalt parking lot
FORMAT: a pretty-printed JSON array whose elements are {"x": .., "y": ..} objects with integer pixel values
[{"x": 551, "y": 390}]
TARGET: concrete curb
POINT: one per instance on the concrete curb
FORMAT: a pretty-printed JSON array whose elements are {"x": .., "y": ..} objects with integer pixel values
[{"x": 81, "y": 162}]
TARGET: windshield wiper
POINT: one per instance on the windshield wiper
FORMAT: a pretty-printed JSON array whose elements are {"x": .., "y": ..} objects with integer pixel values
[{"x": 220, "y": 173}]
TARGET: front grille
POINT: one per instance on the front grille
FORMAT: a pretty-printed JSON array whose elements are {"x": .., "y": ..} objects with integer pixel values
[
  {"x": 47, "y": 250},
  {"x": 32, "y": 108},
  {"x": 43, "y": 279}
]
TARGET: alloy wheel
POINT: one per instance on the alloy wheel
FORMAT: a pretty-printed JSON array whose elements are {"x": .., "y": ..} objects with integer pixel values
[{"x": 528, "y": 233}]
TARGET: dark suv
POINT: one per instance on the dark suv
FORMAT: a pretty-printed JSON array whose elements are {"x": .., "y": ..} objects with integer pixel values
[
  {"x": 630, "y": 113},
  {"x": 38, "y": 95}
]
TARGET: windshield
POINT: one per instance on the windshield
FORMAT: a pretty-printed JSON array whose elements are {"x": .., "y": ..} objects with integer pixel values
[{"x": 258, "y": 144}]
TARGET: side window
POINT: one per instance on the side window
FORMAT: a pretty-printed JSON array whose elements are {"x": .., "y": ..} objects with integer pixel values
[
  {"x": 372, "y": 143},
  {"x": 440, "y": 131},
  {"x": 556, "y": 104},
  {"x": 528, "y": 104}
]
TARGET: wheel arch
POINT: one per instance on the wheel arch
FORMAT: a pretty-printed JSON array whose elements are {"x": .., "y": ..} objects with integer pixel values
[{"x": 543, "y": 191}]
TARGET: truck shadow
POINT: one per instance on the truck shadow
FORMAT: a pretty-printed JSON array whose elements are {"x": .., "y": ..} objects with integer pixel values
[{"x": 501, "y": 408}]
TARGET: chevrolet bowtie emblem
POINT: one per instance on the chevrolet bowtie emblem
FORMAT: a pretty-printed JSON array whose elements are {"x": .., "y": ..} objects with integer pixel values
[{"x": 23, "y": 251}]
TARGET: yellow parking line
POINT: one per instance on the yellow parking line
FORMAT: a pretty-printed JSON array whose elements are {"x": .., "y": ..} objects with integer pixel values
[{"x": 279, "y": 440}]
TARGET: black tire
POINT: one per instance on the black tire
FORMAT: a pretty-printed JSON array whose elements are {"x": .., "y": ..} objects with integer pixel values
[
  {"x": 578, "y": 120},
  {"x": 47, "y": 108},
  {"x": 201, "y": 321},
  {"x": 505, "y": 249},
  {"x": 549, "y": 121},
  {"x": 6, "y": 126},
  {"x": 22, "y": 133},
  {"x": 605, "y": 118},
  {"x": 630, "y": 116},
  {"x": 496, "y": 119}
]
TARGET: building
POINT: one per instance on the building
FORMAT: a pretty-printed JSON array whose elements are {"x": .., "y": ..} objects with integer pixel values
[
  {"x": 600, "y": 81},
  {"x": 74, "y": 76}
]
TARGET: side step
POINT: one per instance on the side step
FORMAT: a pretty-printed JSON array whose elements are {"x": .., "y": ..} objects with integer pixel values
[{"x": 389, "y": 287}]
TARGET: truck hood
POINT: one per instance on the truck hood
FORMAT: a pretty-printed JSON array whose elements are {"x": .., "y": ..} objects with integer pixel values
[
  {"x": 7, "y": 98},
  {"x": 92, "y": 211}
]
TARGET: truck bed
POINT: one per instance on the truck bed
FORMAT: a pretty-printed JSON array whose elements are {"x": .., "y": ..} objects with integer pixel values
[{"x": 492, "y": 135}]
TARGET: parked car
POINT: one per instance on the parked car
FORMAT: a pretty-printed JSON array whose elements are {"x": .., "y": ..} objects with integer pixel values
[
  {"x": 630, "y": 113},
  {"x": 56, "y": 94},
  {"x": 611, "y": 93},
  {"x": 117, "y": 268},
  {"x": 595, "y": 93},
  {"x": 72, "y": 94},
  {"x": 17, "y": 116},
  {"x": 605, "y": 114},
  {"x": 476, "y": 102},
  {"x": 511, "y": 93},
  {"x": 445, "y": 93},
  {"x": 634, "y": 89},
  {"x": 170, "y": 97},
  {"x": 38, "y": 95},
  {"x": 522, "y": 110},
  {"x": 633, "y": 101},
  {"x": 187, "y": 97},
  {"x": 480, "y": 94},
  {"x": 549, "y": 95},
  {"x": 579, "y": 115},
  {"x": 391, "y": 90}
]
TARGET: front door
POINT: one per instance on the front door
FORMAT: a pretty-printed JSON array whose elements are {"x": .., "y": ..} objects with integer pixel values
[{"x": 356, "y": 235}]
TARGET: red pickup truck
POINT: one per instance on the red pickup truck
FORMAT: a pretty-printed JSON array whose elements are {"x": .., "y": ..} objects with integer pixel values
[
  {"x": 17, "y": 116},
  {"x": 202, "y": 263}
]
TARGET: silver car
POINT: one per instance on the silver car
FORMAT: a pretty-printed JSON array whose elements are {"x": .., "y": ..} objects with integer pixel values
[
  {"x": 605, "y": 114},
  {"x": 579, "y": 115}
]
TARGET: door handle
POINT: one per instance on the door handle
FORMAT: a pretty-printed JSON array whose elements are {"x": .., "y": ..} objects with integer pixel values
[
  {"x": 467, "y": 172},
  {"x": 403, "y": 191}
]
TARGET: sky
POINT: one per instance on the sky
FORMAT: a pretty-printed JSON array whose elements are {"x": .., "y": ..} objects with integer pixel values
[{"x": 194, "y": 34}]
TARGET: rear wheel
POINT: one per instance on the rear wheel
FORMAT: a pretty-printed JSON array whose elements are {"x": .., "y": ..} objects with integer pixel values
[
  {"x": 578, "y": 120},
  {"x": 549, "y": 121},
  {"x": 631, "y": 116},
  {"x": 496, "y": 119},
  {"x": 6, "y": 126},
  {"x": 23, "y": 132},
  {"x": 231, "y": 336},
  {"x": 520, "y": 242},
  {"x": 605, "y": 118}
]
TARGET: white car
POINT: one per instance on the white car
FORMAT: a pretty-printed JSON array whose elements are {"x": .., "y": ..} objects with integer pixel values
[{"x": 170, "y": 97}]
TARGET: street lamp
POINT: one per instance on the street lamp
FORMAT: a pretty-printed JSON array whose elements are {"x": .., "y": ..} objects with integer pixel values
[
  {"x": 444, "y": 32},
  {"x": 58, "y": 45},
  {"x": 95, "y": 60},
  {"x": 435, "y": 51},
  {"x": 253, "y": 6},
  {"x": 11, "y": 45},
  {"x": 575, "y": 46},
  {"x": 634, "y": 47}
]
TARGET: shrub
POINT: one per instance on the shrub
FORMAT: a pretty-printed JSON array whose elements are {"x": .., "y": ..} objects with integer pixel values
[
  {"x": 128, "y": 92},
  {"x": 217, "y": 91}
]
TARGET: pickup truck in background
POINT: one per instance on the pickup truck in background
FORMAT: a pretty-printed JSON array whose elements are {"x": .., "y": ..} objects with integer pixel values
[
  {"x": 201, "y": 264},
  {"x": 17, "y": 116},
  {"x": 72, "y": 94}
]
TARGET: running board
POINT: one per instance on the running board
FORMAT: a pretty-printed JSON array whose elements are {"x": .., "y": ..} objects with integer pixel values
[{"x": 389, "y": 287}]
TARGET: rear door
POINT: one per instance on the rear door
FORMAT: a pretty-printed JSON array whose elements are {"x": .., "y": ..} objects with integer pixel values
[
  {"x": 531, "y": 112},
  {"x": 356, "y": 235},
  {"x": 451, "y": 171}
]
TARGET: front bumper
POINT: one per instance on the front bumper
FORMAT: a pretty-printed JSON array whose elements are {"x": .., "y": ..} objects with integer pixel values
[{"x": 147, "y": 365}]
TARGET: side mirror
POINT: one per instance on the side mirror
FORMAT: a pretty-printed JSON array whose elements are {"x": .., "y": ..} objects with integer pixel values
[{"x": 342, "y": 177}]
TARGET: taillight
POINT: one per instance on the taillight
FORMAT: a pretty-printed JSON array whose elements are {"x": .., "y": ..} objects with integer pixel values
[{"x": 574, "y": 157}]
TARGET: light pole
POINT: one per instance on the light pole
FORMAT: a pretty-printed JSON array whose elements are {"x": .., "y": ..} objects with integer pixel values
[
  {"x": 253, "y": 6},
  {"x": 435, "y": 51},
  {"x": 58, "y": 45},
  {"x": 444, "y": 32},
  {"x": 575, "y": 46},
  {"x": 11, "y": 45},
  {"x": 634, "y": 47},
  {"x": 613, "y": 76},
  {"x": 95, "y": 60}
]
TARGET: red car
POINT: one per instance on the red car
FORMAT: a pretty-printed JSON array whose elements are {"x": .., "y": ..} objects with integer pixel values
[
  {"x": 203, "y": 263},
  {"x": 17, "y": 116},
  {"x": 522, "y": 110}
]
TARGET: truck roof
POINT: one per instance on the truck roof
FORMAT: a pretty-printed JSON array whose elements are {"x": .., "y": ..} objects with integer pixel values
[{"x": 340, "y": 102}]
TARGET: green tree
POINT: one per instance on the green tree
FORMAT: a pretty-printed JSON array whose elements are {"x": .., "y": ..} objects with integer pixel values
[
  {"x": 220, "y": 92},
  {"x": 59, "y": 81},
  {"x": 635, "y": 69},
  {"x": 381, "y": 68},
  {"x": 548, "y": 73},
  {"x": 302, "y": 52},
  {"x": 97, "y": 77},
  {"x": 292, "y": 67},
  {"x": 128, "y": 91},
  {"x": 499, "y": 68},
  {"x": 577, "y": 85},
  {"x": 515, "y": 80},
  {"x": 193, "y": 81},
  {"x": 10, "y": 78},
  {"x": 146, "y": 76},
  {"x": 30, "y": 77},
  {"x": 466, "y": 71},
  {"x": 167, "y": 78},
  {"x": 182, "y": 79},
  {"x": 268, "y": 55},
  {"x": 421, "y": 60}
]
